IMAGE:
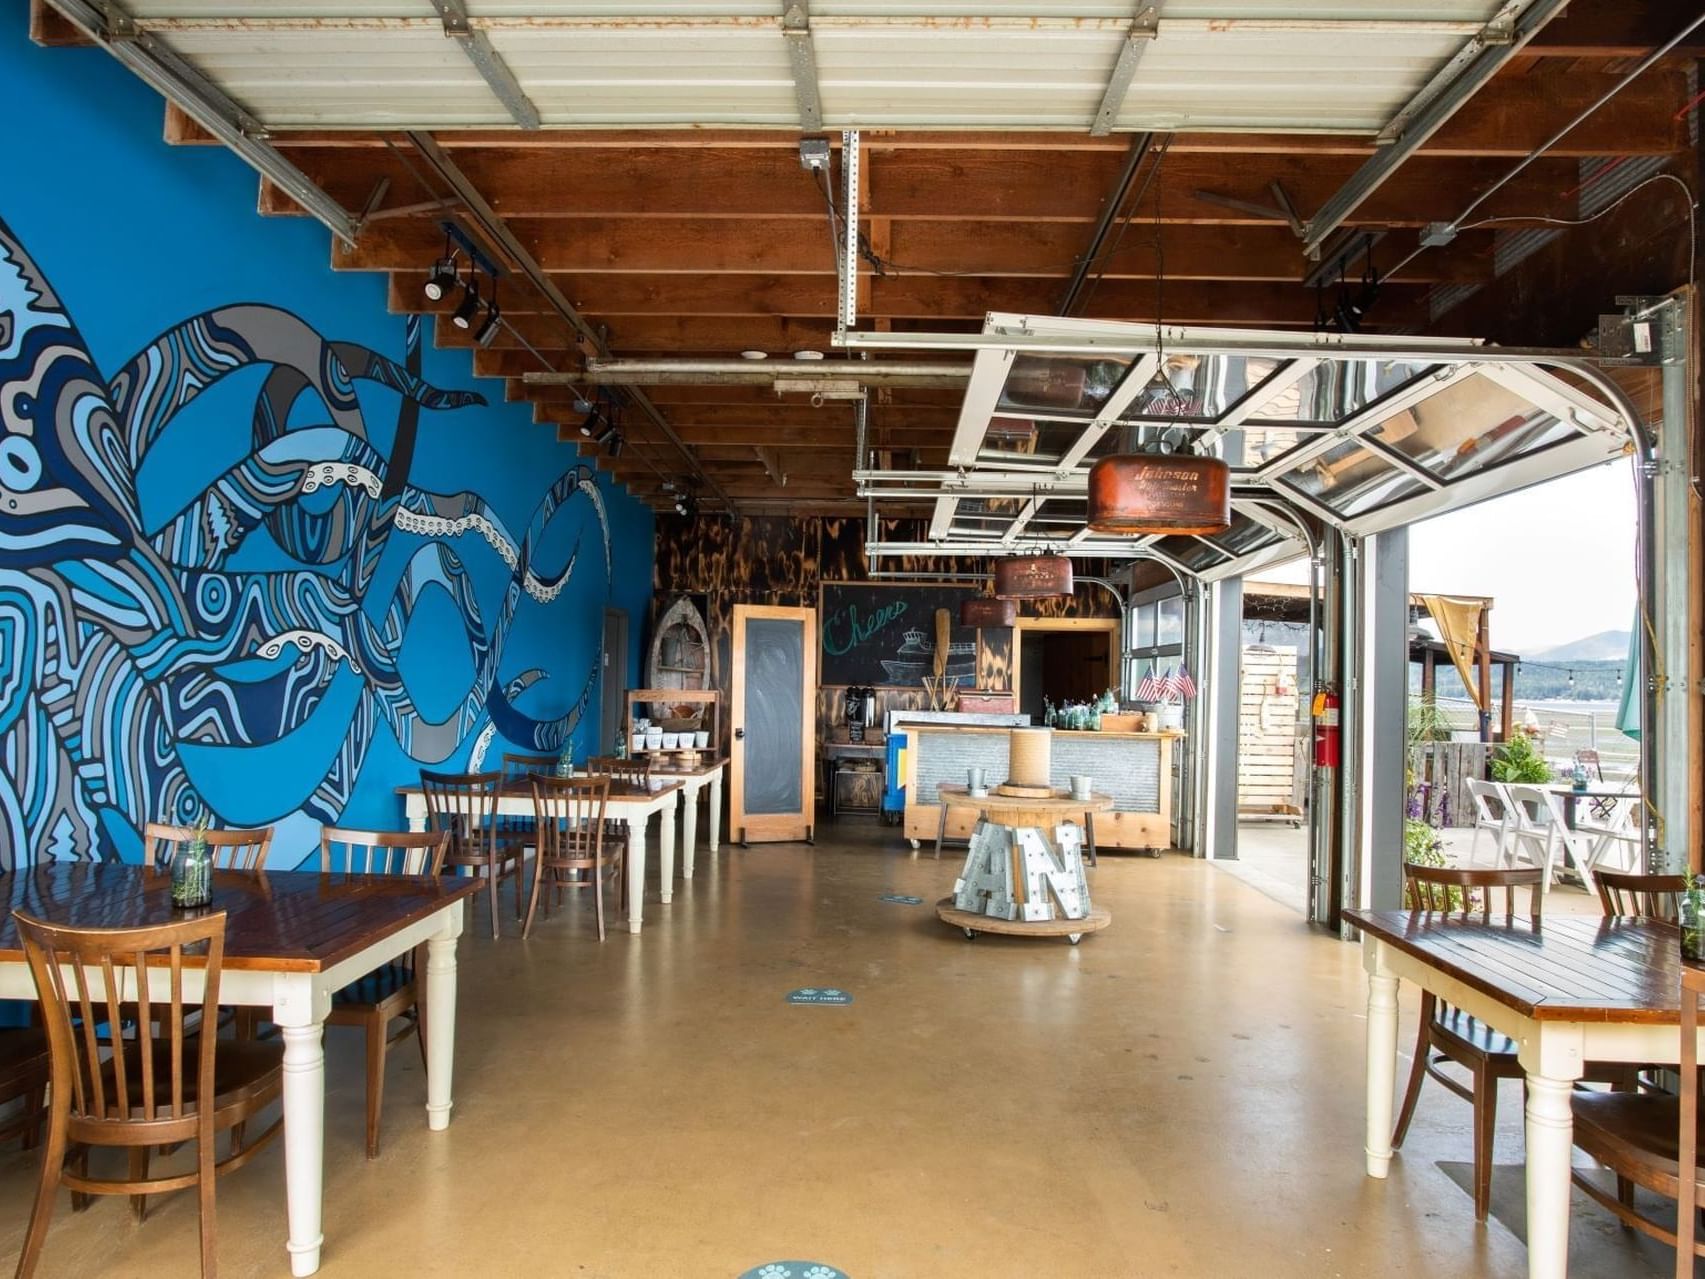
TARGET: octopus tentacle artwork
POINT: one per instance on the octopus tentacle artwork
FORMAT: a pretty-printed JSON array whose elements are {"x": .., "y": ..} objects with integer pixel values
[{"x": 132, "y": 652}]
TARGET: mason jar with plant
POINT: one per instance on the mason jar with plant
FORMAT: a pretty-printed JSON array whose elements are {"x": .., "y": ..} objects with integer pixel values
[
  {"x": 1692, "y": 912},
  {"x": 192, "y": 868}
]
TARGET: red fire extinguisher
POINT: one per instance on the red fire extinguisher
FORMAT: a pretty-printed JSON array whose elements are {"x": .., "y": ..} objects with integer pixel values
[{"x": 1326, "y": 732}]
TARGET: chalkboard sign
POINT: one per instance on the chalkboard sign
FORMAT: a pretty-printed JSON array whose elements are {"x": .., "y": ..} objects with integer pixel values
[
  {"x": 775, "y": 698},
  {"x": 885, "y": 635}
]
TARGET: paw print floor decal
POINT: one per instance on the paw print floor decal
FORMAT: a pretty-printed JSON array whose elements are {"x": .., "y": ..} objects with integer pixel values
[
  {"x": 794, "y": 1270},
  {"x": 816, "y": 995}
]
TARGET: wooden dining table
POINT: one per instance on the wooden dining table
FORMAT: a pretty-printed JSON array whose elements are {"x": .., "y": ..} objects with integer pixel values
[
  {"x": 628, "y": 803},
  {"x": 1567, "y": 991},
  {"x": 292, "y": 938}
]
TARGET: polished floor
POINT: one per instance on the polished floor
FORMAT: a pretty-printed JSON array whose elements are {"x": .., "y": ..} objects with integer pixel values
[{"x": 1179, "y": 1095}]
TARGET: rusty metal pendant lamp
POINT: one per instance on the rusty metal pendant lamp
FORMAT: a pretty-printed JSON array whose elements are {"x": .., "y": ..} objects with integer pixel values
[
  {"x": 988, "y": 611},
  {"x": 1159, "y": 493},
  {"x": 1032, "y": 577}
]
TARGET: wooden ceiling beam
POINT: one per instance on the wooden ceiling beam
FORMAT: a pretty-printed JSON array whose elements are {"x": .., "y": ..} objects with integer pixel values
[
  {"x": 681, "y": 397},
  {"x": 584, "y": 254},
  {"x": 987, "y": 186},
  {"x": 1614, "y": 29}
]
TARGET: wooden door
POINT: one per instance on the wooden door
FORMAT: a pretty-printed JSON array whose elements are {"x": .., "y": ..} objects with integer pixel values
[{"x": 773, "y": 749}]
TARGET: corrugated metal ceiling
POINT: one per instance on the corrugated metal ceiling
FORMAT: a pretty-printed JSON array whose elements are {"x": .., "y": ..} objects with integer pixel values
[{"x": 1266, "y": 65}]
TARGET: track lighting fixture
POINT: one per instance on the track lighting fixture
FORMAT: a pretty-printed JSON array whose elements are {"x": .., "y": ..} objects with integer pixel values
[
  {"x": 593, "y": 420},
  {"x": 487, "y": 331},
  {"x": 468, "y": 307},
  {"x": 616, "y": 444},
  {"x": 443, "y": 277}
]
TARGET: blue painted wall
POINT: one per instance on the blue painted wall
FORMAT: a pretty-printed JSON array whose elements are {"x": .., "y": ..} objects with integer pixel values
[{"x": 255, "y": 553}]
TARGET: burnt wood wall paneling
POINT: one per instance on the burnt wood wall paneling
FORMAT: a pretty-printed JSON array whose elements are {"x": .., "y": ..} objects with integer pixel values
[{"x": 785, "y": 560}]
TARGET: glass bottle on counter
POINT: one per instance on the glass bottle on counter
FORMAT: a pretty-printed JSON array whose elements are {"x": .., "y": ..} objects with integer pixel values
[{"x": 192, "y": 870}]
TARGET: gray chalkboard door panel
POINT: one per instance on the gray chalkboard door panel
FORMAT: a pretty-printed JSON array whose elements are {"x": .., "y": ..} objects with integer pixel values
[{"x": 772, "y": 758}]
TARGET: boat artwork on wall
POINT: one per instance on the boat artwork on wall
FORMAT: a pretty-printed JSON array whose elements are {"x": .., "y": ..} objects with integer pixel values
[{"x": 137, "y": 658}]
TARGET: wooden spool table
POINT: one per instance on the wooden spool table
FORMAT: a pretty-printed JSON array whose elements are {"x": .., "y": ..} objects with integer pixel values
[{"x": 1024, "y": 872}]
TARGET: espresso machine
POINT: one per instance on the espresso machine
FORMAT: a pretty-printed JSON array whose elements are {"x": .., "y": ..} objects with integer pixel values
[{"x": 860, "y": 712}]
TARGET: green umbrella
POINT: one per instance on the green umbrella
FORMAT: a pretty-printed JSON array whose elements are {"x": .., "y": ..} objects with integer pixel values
[{"x": 1628, "y": 714}]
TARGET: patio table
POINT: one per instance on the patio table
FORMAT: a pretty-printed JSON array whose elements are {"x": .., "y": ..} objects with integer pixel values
[
  {"x": 1570, "y": 796},
  {"x": 1567, "y": 991},
  {"x": 292, "y": 938}
]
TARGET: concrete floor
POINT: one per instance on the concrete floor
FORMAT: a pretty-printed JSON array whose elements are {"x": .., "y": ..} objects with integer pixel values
[{"x": 1180, "y": 1095}]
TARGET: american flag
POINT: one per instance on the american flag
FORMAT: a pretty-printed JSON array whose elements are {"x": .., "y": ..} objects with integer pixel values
[
  {"x": 1150, "y": 689},
  {"x": 1183, "y": 685}
]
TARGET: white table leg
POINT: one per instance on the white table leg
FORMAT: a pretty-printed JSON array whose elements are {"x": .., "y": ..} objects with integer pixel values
[
  {"x": 666, "y": 849},
  {"x": 1550, "y": 1129},
  {"x": 716, "y": 809},
  {"x": 1382, "y": 1057},
  {"x": 416, "y": 809},
  {"x": 441, "y": 1019},
  {"x": 689, "y": 827},
  {"x": 300, "y": 1012},
  {"x": 636, "y": 872}
]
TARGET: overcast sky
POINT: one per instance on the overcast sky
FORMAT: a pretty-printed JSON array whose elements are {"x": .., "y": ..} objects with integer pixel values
[{"x": 1558, "y": 559}]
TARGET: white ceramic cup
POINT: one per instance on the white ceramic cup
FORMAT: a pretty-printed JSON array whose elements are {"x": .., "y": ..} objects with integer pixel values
[
  {"x": 1081, "y": 783},
  {"x": 701, "y": 740},
  {"x": 654, "y": 739},
  {"x": 671, "y": 741},
  {"x": 636, "y": 743}
]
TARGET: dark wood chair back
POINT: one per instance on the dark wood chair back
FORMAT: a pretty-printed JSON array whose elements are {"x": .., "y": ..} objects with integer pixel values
[
  {"x": 1625, "y": 893},
  {"x": 145, "y": 1094},
  {"x": 570, "y": 816},
  {"x": 632, "y": 772},
  {"x": 516, "y": 767},
  {"x": 382, "y": 852},
  {"x": 1453, "y": 889},
  {"x": 464, "y": 807},
  {"x": 231, "y": 849}
]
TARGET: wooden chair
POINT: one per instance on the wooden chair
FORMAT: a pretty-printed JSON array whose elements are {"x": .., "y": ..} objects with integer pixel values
[
  {"x": 392, "y": 992},
  {"x": 630, "y": 772},
  {"x": 231, "y": 849},
  {"x": 156, "y": 1086},
  {"x": 571, "y": 833},
  {"x": 1452, "y": 1034},
  {"x": 517, "y": 769},
  {"x": 1647, "y": 1139},
  {"x": 1623, "y": 893},
  {"x": 464, "y": 806},
  {"x": 23, "y": 1078}
]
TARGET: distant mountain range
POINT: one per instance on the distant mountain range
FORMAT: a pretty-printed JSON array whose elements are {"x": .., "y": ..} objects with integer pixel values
[{"x": 1603, "y": 647}]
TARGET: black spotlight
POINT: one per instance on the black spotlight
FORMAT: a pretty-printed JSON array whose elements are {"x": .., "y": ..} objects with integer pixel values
[
  {"x": 616, "y": 444},
  {"x": 463, "y": 315},
  {"x": 442, "y": 278},
  {"x": 486, "y": 334},
  {"x": 594, "y": 417},
  {"x": 603, "y": 433}
]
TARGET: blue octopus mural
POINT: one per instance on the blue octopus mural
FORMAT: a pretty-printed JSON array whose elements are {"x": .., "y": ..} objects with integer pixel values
[{"x": 129, "y": 651}]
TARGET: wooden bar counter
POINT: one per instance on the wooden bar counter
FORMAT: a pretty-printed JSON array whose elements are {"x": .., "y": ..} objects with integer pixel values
[{"x": 1134, "y": 768}]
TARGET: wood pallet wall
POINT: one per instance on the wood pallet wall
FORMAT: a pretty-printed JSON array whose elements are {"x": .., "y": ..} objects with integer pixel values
[{"x": 1270, "y": 737}]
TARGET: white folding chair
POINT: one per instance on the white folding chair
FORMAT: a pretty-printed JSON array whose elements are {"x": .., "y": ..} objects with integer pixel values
[
  {"x": 1619, "y": 833},
  {"x": 1533, "y": 827},
  {"x": 1487, "y": 797}
]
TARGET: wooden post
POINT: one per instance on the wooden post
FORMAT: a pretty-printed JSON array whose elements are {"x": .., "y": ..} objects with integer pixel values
[
  {"x": 1429, "y": 688},
  {"x": 1483, "y": 654},
  {"x": 1509, "y": 708}
]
